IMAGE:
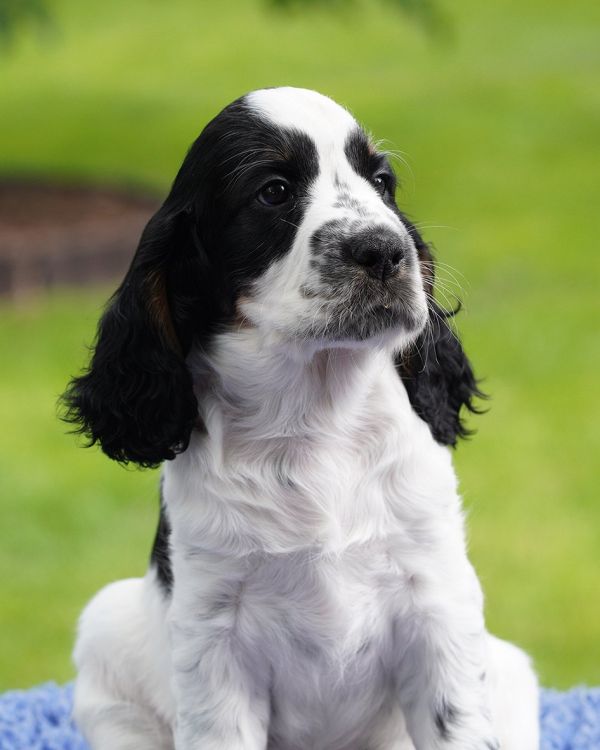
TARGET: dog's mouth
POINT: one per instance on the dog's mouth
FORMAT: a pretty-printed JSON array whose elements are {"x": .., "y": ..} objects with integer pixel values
[
  {"x": 345, "y": 308},
  {"x": 348, "y": 298},
  {"x": 363, "y": 314}
]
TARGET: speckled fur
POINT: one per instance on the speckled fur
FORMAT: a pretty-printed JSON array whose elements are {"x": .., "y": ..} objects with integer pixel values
[{"x": 321, "y": 594}]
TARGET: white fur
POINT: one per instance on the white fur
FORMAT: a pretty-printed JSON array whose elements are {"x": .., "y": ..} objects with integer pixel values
[
  {"x": 328, "y": 125},
  {"x": 314, "y": 113},
  {"x": 322, "y": 593}
]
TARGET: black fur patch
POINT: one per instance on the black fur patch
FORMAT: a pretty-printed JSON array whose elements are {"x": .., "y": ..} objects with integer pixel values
[
  {"x": 439, "y": 379},
  {"x": 160, "y": 557},
  {"x": 197, "y": 255},
  {"x": 136, "y": 396},
  {"x": 367, "y": 162}
]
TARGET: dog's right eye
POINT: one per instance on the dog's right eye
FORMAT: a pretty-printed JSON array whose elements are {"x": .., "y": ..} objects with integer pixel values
[{"x": 274, "y": 193}]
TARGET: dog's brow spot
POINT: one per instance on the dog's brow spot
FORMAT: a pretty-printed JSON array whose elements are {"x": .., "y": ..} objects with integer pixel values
[
  {"x": 345, "y": 200},
  {"x": 341, "y": 185}
]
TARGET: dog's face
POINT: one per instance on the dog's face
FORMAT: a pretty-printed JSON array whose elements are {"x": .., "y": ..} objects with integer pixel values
[
  {"x": 282, "y": 218},
  {"x": 307, "y": 235}
]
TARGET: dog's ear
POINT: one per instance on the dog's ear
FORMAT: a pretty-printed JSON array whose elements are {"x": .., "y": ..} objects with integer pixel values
[
  {"x": 136, "y": 398},
  {"x": 436, "y": 372}
]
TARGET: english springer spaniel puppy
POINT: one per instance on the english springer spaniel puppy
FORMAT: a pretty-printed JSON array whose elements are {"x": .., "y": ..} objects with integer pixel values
[{"x": 277, "y": 343}]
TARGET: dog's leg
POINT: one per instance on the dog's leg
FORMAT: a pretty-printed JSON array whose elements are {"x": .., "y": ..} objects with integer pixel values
[
  {"x": 446, "y": 708},
  {"x": 514, "y": 698},
  {"x": 514, "y": 695},
  {"x": 391, "y": 734},
  {"x": 220, "y": 682},
  {"x": 109, "y": 722},
  {"x": 122, "y": 697},
  {"x": 443, "y": 647},
  {"x": 217, "y": 709}
]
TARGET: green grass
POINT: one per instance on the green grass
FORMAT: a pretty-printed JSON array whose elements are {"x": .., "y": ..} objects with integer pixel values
[{"x": 499, "y": 122}]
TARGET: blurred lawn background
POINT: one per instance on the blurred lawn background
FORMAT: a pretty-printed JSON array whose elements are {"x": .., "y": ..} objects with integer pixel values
[{"x": 499, "y": 121}]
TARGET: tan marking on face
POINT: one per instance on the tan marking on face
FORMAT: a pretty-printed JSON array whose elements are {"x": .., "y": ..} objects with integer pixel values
[
  {"x": 240, "y": 320},
  {"x": 158, "y": 306}
]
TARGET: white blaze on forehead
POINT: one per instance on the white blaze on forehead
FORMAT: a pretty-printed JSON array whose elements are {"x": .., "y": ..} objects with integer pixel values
[
  {"x": 316, "y": 115},
  {"x": 328, "y": 125}
]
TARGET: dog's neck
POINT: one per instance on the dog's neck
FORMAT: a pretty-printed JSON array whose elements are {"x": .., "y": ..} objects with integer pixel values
[
  {"x": 266, "y": 390},
  {"x": 301, "y": 443}
]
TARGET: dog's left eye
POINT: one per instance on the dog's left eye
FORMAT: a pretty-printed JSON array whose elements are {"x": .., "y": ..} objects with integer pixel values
[
  {"x": 381, "y": 183},
  {"x": 274, "y": 193}
]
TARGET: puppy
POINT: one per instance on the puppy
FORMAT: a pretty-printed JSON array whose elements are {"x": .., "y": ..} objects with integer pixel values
[{"x": 277, "y": 343}]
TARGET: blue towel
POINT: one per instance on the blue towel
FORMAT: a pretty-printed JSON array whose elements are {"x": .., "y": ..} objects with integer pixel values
[{"x": 39, "y": 719}]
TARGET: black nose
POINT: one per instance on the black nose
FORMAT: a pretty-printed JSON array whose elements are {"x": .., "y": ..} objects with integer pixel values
[{"x": 380, "y": 254}]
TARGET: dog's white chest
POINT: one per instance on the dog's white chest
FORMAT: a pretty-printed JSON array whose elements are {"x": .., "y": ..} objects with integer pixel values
[
  {"x": 322, "y": 628},
  {"x": 306, "y": 552}
]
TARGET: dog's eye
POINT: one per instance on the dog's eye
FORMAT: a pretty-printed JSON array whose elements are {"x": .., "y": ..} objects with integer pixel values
[
  {"x": 274, "y": 193},
  {"x": 381, "y": 183}
]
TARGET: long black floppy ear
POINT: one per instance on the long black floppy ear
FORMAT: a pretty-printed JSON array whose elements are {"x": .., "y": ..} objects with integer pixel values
[
  {"x": 136, "y": 398},
  {"x": 436, "y": 372}
]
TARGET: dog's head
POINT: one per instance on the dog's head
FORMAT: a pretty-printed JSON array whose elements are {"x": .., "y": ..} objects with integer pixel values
[{"x": 282, "y": 218}]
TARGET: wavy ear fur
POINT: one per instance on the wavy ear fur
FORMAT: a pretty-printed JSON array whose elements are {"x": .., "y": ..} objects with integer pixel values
[
  {"x": 436, "y": 372},
  {"x": 136, "y": 398}
]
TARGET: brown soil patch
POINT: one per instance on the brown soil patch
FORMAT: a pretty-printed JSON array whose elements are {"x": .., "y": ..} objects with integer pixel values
[{"x": 56, "y": 235}]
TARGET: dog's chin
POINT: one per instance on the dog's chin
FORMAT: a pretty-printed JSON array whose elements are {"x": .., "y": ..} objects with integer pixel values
[
  {"x": 381, "y": 325},
  {"x": 381, "y": 322}
]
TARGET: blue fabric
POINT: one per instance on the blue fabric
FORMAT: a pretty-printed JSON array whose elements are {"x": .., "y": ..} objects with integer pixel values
[{"x": 39, "y": 719}]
